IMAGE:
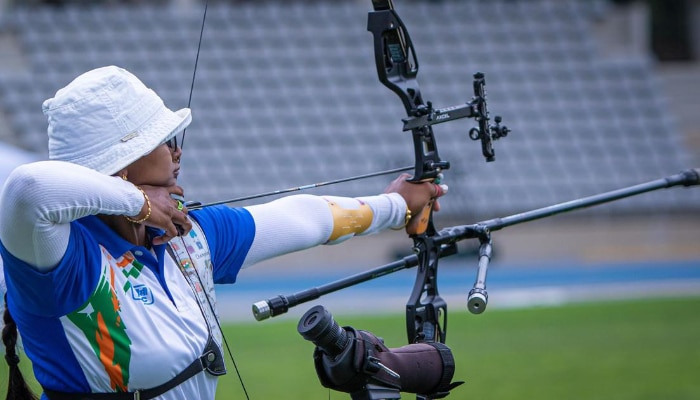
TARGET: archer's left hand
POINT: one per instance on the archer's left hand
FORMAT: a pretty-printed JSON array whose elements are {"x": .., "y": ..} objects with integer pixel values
[{"x": 417, "y": 195}]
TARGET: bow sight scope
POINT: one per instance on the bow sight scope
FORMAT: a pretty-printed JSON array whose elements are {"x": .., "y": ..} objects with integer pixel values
[{"x": 357, "y": 362}]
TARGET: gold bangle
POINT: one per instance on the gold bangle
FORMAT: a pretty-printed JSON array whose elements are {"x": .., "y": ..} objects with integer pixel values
[
  {"x": 148, "y": 214},
  {"x": 407, "y": 219}
]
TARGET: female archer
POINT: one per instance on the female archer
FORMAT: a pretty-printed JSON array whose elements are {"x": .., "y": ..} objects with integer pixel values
[{"x": 110, "y": 279}]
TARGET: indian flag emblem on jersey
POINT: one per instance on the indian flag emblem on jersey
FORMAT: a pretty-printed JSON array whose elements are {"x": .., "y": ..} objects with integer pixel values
[
  {"x": 100, "y": 320},
  {"x": 186, "y": 263}
]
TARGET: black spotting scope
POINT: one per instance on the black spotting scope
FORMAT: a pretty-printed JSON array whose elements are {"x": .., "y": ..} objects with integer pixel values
[{"x": 357, "y": 362}]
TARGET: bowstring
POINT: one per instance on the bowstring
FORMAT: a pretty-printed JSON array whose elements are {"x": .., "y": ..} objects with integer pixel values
[
  {"x": 216, "y": 316},
  {"x": 196, "y": 62},
  {"x": 199, "y": 279}
]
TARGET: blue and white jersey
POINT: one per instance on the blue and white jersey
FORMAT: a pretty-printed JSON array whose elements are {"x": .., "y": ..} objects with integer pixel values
[{"x": 119, "y": 317}]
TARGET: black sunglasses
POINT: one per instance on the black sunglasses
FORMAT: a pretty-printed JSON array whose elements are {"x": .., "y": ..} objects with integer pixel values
[{"x": 172, "y": 143}]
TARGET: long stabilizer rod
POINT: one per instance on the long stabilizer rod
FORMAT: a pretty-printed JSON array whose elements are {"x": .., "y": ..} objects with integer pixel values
[{"x": 280, "y": 304}]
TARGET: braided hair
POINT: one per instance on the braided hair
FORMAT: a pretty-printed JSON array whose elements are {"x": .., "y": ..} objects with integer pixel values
[{"x": 17, "y": 388}]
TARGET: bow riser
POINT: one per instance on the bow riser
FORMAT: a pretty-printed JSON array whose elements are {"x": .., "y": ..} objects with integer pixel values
[{"x": 397, "y": 68}]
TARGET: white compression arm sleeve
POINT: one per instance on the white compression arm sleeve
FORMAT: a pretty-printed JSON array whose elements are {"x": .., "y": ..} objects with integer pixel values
[
  {"x": 303, "y": 221},
  {"x": 39, "y": 201}
]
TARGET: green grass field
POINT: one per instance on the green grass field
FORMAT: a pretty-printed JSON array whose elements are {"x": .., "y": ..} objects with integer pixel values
[{"x": 648, "y": 349}]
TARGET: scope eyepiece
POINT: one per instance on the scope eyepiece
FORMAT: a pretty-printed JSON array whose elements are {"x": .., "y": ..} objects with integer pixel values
[{"x": 319, "y": 327}]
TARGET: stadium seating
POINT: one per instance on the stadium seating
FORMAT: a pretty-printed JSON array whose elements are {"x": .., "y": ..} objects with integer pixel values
[{"x": 286, "y": 94}]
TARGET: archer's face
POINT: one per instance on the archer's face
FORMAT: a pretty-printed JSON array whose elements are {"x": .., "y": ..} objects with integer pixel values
[{"x": 160, "y": 167}]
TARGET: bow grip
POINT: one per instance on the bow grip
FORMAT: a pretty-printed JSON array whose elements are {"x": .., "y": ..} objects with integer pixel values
[{"x": 419, "y": 223}]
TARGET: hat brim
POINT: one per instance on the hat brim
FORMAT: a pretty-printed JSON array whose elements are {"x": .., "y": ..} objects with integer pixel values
[{"x": 162, "y": 127}]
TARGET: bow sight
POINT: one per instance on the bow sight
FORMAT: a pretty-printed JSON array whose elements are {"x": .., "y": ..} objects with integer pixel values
[{"x": 397, "y": 68}]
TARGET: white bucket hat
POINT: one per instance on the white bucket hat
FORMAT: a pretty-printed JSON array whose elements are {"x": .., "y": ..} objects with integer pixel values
[{"x": 107, "y": 118}]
